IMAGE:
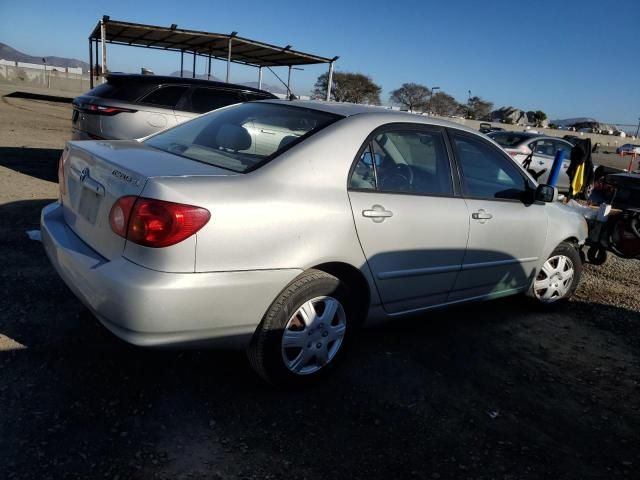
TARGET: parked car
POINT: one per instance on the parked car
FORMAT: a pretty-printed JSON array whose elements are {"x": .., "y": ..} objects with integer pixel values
[
  {"x": 628, "y": 149},
  {"x": 520, "y": 145},
  {"x": 281, "y": 227},
  {"x": 487, "y": 127},
  {"x": 134, "y": 106}
]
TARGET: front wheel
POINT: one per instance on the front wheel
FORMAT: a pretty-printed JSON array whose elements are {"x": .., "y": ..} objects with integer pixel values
[
  {"x": 559, "y": 276},
  {"x": 304, "y": 332}
]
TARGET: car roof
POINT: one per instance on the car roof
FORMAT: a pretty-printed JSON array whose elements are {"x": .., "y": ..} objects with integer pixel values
[
  {"x": 166, "y": 79},
  {"x": 351, "y": 109}
]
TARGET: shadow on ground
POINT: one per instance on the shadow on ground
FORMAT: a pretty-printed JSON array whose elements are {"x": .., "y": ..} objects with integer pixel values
[
  {"x": 494, "y": 390},
  {"x": 41, "y": 163},
  {"x": 39, "y": 96}
]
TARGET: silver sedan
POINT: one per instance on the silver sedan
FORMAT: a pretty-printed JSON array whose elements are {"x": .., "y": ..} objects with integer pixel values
[{"x": 281, "y": 227}]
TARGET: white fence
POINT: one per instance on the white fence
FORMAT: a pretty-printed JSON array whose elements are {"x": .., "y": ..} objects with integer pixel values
[{"x": 33, "y": 75}]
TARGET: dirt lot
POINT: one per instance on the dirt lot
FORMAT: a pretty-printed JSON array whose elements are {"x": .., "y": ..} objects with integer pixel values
[{"x": 489, "y": 391}]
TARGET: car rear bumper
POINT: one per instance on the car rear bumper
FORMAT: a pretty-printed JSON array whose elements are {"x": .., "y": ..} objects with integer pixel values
[{"x": 151, "y": 308}]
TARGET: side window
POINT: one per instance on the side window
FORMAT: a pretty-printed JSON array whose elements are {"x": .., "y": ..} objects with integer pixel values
[
  {"x": 486, "y": 172},
  {"x": 364, "y": 175},
  {"x": 206, "y": 99},
  {"x": 566, "y": 148},
  {"x": 412, "y": 161},
  {"x": 544, "y": 147},
  {"x": 165, "y": 96}
]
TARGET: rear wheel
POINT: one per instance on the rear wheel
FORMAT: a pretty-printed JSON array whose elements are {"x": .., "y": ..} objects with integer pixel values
[
  {"x": 304, "y": 332},
  {"x": 559, "y": 276}
]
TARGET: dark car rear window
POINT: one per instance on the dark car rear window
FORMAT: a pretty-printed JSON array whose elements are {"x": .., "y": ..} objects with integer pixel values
[
  {"x": 206, "y": 99},
  {"x": 167, "y": 96},
  {"x": 509, "y": 139},
  {"x": 124, "y": 91}
]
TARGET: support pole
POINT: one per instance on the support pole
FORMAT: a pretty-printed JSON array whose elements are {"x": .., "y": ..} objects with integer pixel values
[
  {"x": 90, "y": 64},
  {"x": 260, "y": 78},
  {"x": 209, "y": 67},
  {"x": 181, "y": 63},
  {"x": 103, "y": 38},
  {"x": 193, "y": 72},
  {"x": 95, "y": 52},
  {"x": 289, "y": 84},
  {"x": 229, "y": 60},
  {"x": 329, "y": 81}
]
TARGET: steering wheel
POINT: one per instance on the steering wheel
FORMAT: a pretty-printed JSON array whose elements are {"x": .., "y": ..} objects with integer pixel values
[{"x": 400, "y": 178}]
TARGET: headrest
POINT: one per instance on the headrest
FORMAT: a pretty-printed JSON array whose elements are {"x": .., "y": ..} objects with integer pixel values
[
  {"x": 286, "y": 141},
  {"x": 233, "y": 137}
]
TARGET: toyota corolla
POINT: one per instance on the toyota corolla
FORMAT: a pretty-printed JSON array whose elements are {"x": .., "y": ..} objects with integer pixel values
[{"x": 282, "y": 227}]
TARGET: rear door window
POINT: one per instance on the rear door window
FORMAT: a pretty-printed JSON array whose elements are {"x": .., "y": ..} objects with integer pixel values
[
  {"x": 405, "y": 161},
  {"x": 167, "y": 96},
  {"x": 205, "y": 99}
]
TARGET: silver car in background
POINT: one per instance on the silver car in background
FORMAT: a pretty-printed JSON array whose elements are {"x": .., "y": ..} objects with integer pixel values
[
  {"x": 133, "y": 106},
  {"x": 282, "y": 227},
  {"x": 542, "y": 149}
]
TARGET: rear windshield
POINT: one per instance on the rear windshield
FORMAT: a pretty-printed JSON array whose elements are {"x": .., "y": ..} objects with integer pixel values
[
  {"x": 125, "y": 91},
  {"x": 509, "y": 139},
  {"x": 243, "y": 137}
]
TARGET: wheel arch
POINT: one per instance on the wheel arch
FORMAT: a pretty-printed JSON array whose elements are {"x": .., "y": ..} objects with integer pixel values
[{"x": 355, "y": 280}]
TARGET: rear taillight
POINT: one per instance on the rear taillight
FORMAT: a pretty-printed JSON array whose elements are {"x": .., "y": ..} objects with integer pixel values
[
  {"x": 155, "y": 223},
  {"x": 104, "y": 109}
]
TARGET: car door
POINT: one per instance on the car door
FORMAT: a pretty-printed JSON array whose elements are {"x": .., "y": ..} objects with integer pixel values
[
  {"x": 412, "y": 227},
  {"x": 507, "y": 232}
]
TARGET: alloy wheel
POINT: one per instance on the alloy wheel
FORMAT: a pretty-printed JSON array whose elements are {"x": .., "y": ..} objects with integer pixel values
[
  {"x": 554, "y": 280},
  {"x": 313, "y": 335}
]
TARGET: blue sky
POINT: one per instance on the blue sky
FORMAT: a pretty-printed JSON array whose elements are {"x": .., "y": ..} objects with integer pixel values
[{"x": 567, "y": 57}]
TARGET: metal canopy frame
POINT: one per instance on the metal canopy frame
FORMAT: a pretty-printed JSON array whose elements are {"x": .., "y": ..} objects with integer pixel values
[{"x": 221, "y": 46}]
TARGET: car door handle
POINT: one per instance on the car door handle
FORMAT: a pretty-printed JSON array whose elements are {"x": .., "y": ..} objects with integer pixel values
[
  {"x": 481, "y": 215},
  {"x": 377, "y": 213}
]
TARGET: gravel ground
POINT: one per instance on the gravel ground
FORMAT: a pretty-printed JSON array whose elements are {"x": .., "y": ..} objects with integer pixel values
[{"x": 489, "y": 391}]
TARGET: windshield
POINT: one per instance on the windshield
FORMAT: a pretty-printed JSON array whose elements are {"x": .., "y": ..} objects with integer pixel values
[
  {"x": 243, "y": 137},
  {"x": 509, "y": 139}
]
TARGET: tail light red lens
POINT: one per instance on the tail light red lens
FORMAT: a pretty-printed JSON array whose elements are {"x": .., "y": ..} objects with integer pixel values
[
  {"x": 104, "y": 109},
  {"x": 155, "y": 223}
]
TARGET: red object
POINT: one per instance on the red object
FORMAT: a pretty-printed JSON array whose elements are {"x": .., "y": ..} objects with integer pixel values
[
  {"x": 105, "y": 110},
  {"x": 155, "y": 223}
]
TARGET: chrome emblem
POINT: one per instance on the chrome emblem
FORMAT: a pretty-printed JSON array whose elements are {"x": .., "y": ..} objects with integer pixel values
[{"x": 84, "y": 174}]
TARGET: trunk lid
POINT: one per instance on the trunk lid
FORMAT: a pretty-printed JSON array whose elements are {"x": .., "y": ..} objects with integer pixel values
[{"x": 96, "y": 174}]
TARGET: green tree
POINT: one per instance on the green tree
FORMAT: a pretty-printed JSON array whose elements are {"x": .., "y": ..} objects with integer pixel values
[
  {"x": 539, "y": 117},
  {"x": 413, "y": 96},
  {"x": 444, "y": 104},
  {"x": 348, "y": 87},
  {"x": 479, "y": 109}
]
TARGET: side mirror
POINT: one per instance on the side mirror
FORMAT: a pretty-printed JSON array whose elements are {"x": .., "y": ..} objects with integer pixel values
[{"x": 546, "y": 193}]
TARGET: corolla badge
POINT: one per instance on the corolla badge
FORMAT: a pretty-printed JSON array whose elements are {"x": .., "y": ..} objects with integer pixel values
[{"x": 126, "y": 177}]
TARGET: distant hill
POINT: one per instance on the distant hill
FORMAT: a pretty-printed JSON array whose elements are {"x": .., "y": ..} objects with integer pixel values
[
  {"x": 265, "y": 86},
  {"x": 11, "y": 54}
]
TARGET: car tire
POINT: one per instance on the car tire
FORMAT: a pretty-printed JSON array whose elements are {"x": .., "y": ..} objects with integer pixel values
[
  {"x": 559, "y": 277},
  {"x": 298, "y": 339}
]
